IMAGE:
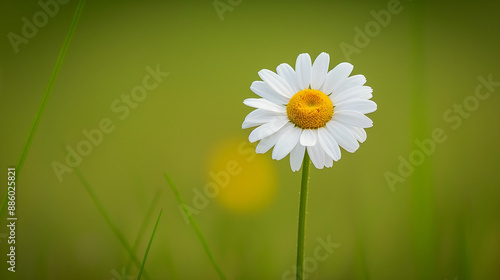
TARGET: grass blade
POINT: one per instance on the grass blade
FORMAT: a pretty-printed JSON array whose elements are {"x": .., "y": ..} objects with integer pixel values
[
  {"x": 46, "y": 95},
  {"x": 195, "y": 227},
  {"x": 421, "y": 182},
  {"x": 144, "y": 225},
  {"x": 146, "y": 220},
  {"x": 106, "y": 217},
  {"x": 464, "y": 259},
  {"x": 149, "y": 246}
]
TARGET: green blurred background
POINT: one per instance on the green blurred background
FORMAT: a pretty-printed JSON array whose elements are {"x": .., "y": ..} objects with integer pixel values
[{"x": 442, "y": 222}]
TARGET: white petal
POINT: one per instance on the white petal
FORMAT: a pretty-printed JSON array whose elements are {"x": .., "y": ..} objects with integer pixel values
[
  {"x": 353, "y": 81},
  {"x": 328, "y": 161},
  {"x": 336, "y": 76},
  {"x": 261, "y": 103},
  {"x": 267, "y": 129},
  {"x": 358, "y": 133},
  {"x": 317, "y": 156},
  {"x": 266, "y": 143},
  {"x": 343, "y": 136},
  {"x": 352, "y": 118},
  {"x": 258, "y": 117},
  {"x": 286, "y": 72},
  {"x": 360, "y": 105},
  {"x": 361, "y": 92},
  {"x": 308, "y": 137},
  {"x": 287, "y": 142},
  {"x": 303, "y": 70},
  {"x": 319, "y": 70},
  {"x": 263, "y": 90},
  {"x": 328, "y": 143},
  {"x": 297, "y": 156},
  {"x": 276, "y": 82}
]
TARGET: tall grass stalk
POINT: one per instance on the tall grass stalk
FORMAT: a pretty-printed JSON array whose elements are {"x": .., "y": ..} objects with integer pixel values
[
  {"x": 149, "y": 246},
  {"x": 195, "y": 227},
  {"x": 45, "y": 97},
  {"x": 361, "y": 265},
  {"x": 105, "y": 215},
  {"x": 144, "y": 225},
  {"x": 464, "y": 259},
  {"x": 422, "y": 189}
]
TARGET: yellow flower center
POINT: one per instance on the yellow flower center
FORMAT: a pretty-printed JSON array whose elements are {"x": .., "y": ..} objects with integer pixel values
[{"x": 310, "y": 108}]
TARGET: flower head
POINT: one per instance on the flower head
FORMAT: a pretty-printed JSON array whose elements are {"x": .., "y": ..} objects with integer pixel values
[{"x": 309, "y": 108}]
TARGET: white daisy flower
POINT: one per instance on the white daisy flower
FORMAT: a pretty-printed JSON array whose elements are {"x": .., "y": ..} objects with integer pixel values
[{"x": 310, "y": 109}]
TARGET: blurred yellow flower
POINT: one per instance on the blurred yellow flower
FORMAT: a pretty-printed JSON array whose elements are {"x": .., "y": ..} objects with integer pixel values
[{"x": 247, "y": 183}]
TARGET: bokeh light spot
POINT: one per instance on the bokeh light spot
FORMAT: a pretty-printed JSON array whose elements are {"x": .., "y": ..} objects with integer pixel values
[{"x": 247, "y": 181}]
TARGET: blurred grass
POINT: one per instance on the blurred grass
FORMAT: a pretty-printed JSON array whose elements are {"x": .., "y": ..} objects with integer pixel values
[
  {"x": 45, "y": 97},
  {"x": 212, "y": 65},
  {"x": 197, "y": 230},
  {"x": 149, "y": 246},
  {"x": 422, "y": 183},
  {"x": 144, "y": 225},
  {"x": 119, "y": 235}
]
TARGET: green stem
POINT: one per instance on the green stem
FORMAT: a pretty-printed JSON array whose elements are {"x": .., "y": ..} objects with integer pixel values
[{"x": 302, "y": 217}]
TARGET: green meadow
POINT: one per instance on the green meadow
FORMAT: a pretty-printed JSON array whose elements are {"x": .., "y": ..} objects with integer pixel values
[{"x": 123, "y": 122}]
